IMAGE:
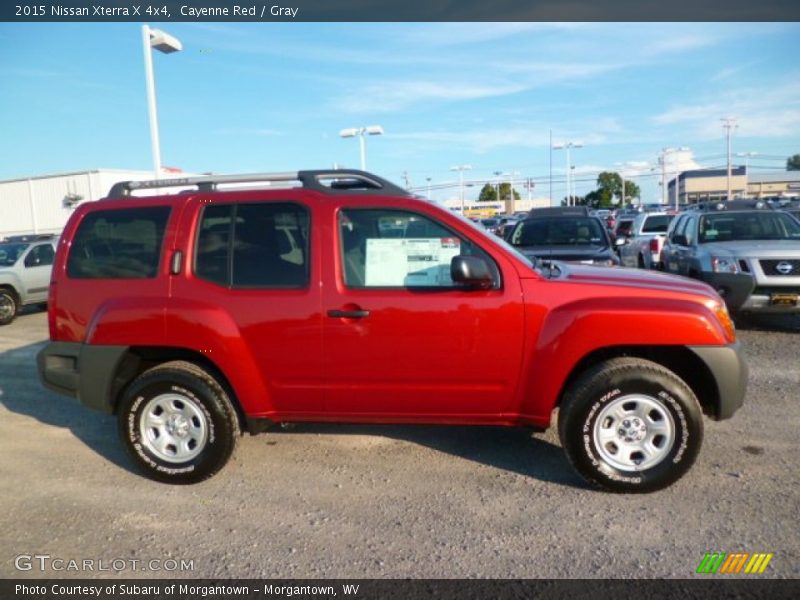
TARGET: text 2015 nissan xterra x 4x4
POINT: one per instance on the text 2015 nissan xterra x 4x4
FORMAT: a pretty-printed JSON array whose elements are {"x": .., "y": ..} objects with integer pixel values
[{"x": 336, "y": 296}]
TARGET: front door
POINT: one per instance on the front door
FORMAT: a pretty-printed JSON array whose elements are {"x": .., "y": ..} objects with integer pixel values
[
  {"x": 400, "y": 340},
  {"x": 38, "y": 266}
]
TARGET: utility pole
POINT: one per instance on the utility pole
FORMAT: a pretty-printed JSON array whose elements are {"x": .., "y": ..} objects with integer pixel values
[
  {"x": 746, "y": 155},
  {"x": 461, "y": 169},
  {"x": 729, "y": 123},
  {"x": 551, "y": 167}
]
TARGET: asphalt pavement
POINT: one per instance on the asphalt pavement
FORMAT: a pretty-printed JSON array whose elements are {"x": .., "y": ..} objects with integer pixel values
[{"x": 389, "y": 501}]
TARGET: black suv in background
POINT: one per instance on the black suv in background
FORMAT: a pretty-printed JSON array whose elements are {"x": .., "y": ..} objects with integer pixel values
[{"x": 564, "y": 233}]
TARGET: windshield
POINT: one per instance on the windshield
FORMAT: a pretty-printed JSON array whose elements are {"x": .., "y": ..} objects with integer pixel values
[
  {"x": 756, "y": 225},
  {"x": 10, "y": 253},
  {"x": 572, "y": 231}
]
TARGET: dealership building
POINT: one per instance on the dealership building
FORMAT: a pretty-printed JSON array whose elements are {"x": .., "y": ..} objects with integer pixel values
[
  {"x": 709, "y": 185},
  {"x": 43, "y": 203}
]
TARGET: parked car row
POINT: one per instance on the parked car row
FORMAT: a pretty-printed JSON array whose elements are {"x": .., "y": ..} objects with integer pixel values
[{"x": 747, "y": 250}]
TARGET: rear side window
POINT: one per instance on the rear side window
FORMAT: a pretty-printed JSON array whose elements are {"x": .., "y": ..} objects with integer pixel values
[
  {"x": 118, "y": 244},
  {"x": 656, "y": 224},
  {"x": 253, "y": 245}
]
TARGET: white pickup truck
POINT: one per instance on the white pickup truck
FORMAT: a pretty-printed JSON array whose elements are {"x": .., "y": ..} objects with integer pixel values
[
  {"x": 25, "y": 266},
  {"x": 642, "y": 248}
]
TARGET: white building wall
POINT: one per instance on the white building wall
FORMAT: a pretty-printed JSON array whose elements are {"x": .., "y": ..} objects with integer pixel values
[{"x": 43, "y": 204}]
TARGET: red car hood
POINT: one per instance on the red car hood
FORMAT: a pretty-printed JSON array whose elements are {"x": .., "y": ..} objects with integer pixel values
[{"x": 638, "y": 278}]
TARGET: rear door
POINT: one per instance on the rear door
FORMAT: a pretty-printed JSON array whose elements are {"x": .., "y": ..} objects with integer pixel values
[
  {"x": 251, "y": 298},
  {"x": 401, "y": 341}
]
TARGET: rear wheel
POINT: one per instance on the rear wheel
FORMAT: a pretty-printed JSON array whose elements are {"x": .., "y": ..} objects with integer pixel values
[
  {"x": 630, "y": 425},
  {"x": 177, "y": 423},
  {"x": 8, "y": 306}
]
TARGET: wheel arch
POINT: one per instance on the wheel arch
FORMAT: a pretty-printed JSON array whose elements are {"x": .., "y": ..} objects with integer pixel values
[
  {"x": 678, "y": 359},
  {"x": 139, "y": 359},
  {"x": 8, "y": 287}
]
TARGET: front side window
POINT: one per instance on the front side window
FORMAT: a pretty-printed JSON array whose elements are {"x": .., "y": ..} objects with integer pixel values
[
  {"x": 253, "y": 245},
  {"x": 118, "y": 244},
  {"x": 397, "y": 249},
  {"x": 40, "y": 256}
]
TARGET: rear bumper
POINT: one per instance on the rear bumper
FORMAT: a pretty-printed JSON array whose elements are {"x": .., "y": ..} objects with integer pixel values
[
  {"x": 82, "y": 371},
  {"x": 729, "y": 371},
  {"x": 735, "y": 288}
]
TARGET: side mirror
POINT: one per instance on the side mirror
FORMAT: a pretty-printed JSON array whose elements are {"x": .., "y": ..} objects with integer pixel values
[
  {"x": 620, "y": 241},
  {"x": 680, "y": 239},
  {"x": 471, "y": 271}
]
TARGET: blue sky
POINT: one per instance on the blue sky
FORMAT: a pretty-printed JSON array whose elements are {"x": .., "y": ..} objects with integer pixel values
[{"x": 273, "y": 97}]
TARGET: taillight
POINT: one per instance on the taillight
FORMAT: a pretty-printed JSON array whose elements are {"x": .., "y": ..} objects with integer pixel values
[
  {"x": 51, "y": 310},
  {"x": 654, "y": 245}
]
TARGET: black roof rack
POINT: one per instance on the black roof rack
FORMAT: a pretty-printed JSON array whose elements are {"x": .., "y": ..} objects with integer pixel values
[
  {"x": 730, "y": 205},
  {"x": 29, "y": 237},
  {"x": 560, "y": 211},
  {"x": 333, "y": 181}
]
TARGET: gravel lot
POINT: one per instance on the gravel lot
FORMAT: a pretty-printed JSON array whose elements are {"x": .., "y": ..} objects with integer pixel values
[{"x": 364, "y": 501}]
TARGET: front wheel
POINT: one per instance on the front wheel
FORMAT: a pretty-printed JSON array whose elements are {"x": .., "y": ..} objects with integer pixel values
[
  {"x": 177, "y": 423},
  {"x": 8, "y": 307},
  {"x": 630, "y": 425}
]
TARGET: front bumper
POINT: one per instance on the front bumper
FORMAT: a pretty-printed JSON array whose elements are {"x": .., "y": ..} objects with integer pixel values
[
  {"x": 82, "y": 371},
  {"x": 735, "y": 288},
  {"x": 762, "y": 303},
  {"x": 729, "y": 372}
]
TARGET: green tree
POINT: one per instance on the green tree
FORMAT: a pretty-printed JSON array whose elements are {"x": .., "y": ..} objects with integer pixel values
[
  {"x": 631, "y": 191},
  {"x": 609, "y": 184},
  {"x": 793, "y": 163},
  {"x": 505, "y": 192},
  {"x": 488, "y": 193}
]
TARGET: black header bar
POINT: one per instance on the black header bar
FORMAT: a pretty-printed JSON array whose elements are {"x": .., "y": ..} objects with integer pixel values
[{"x": 398, "y": 10}]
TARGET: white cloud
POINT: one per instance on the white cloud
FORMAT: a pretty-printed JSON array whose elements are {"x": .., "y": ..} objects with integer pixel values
[
  {"x": 248, "y": 131},
  {"x": 766, "y": 111},
  {"x": 397, "y": 95}
]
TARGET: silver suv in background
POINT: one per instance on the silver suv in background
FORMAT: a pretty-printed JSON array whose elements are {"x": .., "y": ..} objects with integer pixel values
[
  {"x": 25, "y": 266},
  {"x": 746, "y": 251},
  {"x": 642, "y": 248}
]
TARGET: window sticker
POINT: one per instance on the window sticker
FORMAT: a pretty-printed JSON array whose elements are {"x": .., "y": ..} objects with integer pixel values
[{"x": 410, "y": 262}]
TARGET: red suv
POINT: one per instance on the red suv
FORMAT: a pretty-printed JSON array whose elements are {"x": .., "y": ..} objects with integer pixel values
[{"x": 337, "y": 296}]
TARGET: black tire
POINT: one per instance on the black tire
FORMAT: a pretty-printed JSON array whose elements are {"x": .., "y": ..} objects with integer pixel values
[
  {"x": 196, "y": 410},
  {"x": 619, "y": 391},
  {"x": 9, "y": 306},
  {"x": 641, "y": 264}
]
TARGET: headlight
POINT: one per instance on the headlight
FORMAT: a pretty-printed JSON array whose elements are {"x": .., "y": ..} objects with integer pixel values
[
  {"x": 722, "y": 264},
  {"x": 600, "y": 262},
  {"x": 721, "y": 311}
]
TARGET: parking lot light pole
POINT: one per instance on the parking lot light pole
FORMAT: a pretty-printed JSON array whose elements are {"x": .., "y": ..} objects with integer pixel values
[
  {"x": 163, "y": 42},
  {"x": 747, "y": 156},
  {"x": 568, "y": 146},
  {"x": 461, "y": 169},
  {"x": 360, "y": 132}
]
